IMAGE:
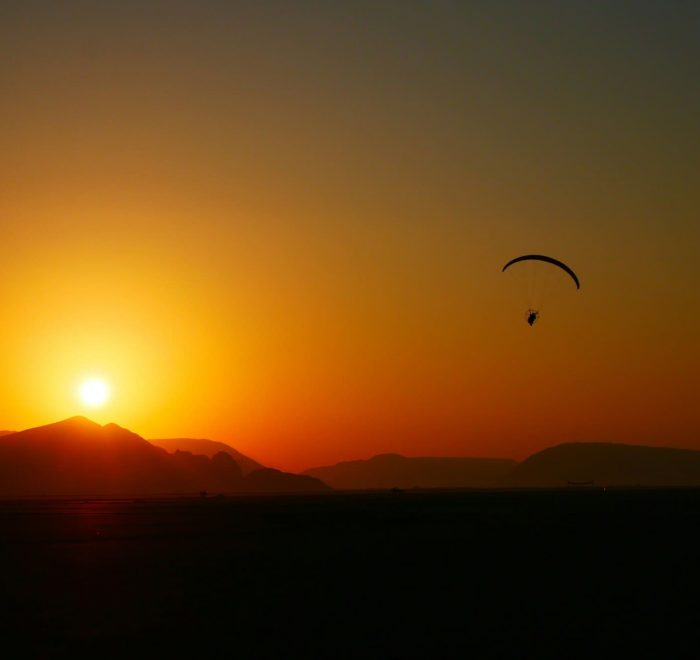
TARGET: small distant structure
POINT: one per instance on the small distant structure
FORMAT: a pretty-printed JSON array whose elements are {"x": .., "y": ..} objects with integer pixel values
[{"x": 203, "y": 494}]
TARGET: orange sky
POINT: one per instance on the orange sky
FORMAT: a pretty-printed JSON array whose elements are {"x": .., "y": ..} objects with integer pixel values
[{"x": 283, "y": 226}]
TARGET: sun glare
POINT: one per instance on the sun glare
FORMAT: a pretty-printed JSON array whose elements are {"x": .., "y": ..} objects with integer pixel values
[{"x": 94, "y": 392}]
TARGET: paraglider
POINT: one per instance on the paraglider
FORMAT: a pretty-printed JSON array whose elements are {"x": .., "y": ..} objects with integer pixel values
[
  {"x": 533, "y": 313},
  {"x": 549, "y": 260}
]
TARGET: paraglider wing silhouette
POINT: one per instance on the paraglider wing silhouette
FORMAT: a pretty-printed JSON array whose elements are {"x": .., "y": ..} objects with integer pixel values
[{"x": 549, "y": 260}]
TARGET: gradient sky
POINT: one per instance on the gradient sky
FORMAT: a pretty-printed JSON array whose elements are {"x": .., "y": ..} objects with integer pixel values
[{"x": 281, "y": 225}]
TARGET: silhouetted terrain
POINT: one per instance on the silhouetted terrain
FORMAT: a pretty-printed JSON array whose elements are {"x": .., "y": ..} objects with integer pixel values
[
  {"x": 78, "y": 457},
  {"x": 601, "y": 464},
  {"x": 5, "y": 433},
  {"x": 207, "y": 448},
  {"x": 395, "y": 471},
  {"x": 269, "y": 480},
  {"x": 419, "y": 574},
  {"x": 607, "y": 464}
]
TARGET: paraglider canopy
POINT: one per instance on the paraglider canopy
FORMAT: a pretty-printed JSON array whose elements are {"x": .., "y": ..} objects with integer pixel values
[
  {"x": 549, "y": 260},
  {"x": 539, "y": 275}
]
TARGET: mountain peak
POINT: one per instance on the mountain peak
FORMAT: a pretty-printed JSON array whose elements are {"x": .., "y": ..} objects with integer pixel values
[
  {"x": 114, "y": 427},
  {"x": 208, "y": 448},
  {"x": 77, "y": 457},
  {"x": 76, "y": 422},
  {"x": 609, "y": 464}
]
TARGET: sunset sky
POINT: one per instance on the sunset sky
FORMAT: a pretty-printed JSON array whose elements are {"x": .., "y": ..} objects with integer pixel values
[{"x": 282, "y": 225}]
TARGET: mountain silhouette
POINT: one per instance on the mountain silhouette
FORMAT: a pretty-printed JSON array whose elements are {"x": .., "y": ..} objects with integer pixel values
[
  {"x": 6, "y": 433},
  {"x": 269, "y": 480},
  {"x": 77, "y": 457},
  {"x": 207, "y": 448},
  {"x": 396, "y": 471},
  {"x": 608, "y": 464}
]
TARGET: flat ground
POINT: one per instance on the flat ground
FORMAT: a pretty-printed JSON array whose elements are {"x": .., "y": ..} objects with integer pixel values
[{"x": 386, "y": 575}]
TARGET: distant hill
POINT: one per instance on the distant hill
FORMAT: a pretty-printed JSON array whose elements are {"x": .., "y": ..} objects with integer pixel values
[
  {"x": 608, "y": 464},
  {"x": 269, "y": 480},
  {"x": 6, "y": 433},
  {"x": 395, "y": 471},
  {"x": 78, "y": 457},
  {"x": 208, "y": 448}
]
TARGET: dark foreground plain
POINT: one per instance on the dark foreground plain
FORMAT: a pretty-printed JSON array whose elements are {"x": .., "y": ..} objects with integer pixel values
[{"x": 367, "y": 575}]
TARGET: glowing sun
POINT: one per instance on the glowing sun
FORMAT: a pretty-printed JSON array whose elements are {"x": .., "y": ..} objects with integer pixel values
[{"x": 93, "y": 392}]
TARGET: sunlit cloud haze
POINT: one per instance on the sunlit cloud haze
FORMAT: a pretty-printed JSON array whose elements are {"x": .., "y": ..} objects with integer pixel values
[{"x": 282, "y": 225}]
